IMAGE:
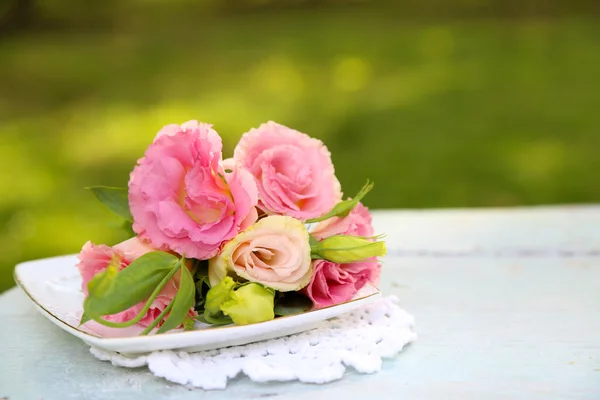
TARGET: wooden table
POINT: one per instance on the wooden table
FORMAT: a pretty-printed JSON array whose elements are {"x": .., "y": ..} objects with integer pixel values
[{"x": 507, "y": 304}]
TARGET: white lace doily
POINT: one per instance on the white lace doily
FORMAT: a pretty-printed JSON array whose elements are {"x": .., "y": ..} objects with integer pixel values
[{"x": 359, "y": 339}]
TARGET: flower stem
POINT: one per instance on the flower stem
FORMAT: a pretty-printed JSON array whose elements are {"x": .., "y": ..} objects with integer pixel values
[
  {"x": 167, "y": 308},
  {"x": 157, "y": 320}
]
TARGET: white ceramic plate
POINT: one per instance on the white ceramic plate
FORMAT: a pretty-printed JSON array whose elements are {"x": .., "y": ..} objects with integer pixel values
[{"x": 53, "y": 285}]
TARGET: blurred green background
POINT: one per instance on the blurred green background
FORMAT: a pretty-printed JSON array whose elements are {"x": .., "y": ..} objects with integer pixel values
[{"x": 442, "y": 103}]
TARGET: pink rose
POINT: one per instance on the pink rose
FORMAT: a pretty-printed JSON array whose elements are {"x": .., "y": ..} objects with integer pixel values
[
  {"x": 96, "y": 258},
  {"x": 182, "y": 199},
  {"x": 333, "y": 283},
  {"x": 274, "y": 252},
  {"x": 294, "y": 172}
]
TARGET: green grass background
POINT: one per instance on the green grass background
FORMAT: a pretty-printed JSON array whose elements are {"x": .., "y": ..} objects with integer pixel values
[{"x": 440, "y": 111}]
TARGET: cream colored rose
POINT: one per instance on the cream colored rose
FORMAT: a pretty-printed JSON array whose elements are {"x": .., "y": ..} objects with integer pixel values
[{"x": 274, "y": 252}]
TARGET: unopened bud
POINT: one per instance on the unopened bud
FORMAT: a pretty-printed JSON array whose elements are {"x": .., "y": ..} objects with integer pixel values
[{"x": 343, "y": 249}]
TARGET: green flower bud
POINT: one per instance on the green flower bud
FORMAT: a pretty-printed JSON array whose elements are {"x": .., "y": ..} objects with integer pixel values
[
  {"x": 219, "y": 294},
  {"x": 343, "y": 249},
  {"x": 250, "y": 304}
]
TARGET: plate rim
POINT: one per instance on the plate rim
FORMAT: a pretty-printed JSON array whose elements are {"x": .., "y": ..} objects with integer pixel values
[{"x": 91, "y": 337}]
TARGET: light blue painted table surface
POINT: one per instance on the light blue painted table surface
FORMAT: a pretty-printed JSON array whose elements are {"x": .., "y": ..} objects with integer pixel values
[{"x": 507, "y": 304}]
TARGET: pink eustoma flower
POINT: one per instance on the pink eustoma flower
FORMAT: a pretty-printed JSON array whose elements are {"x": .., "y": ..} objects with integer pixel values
[
  {"x": 181, "y": 197},
  {"x": 294, "y": 172},
  {"x": 333, "y": 283},
  {"x": 357, "y": 223},
  {"x": 96, "y": 258},
  {"x": 274, "y": 252}
]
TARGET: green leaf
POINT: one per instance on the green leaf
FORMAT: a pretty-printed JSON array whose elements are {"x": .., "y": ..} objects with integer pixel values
[
  {"x": 182, "y": 302},
  {"x": 115, "y": 199},
  {"x": 343, "y": 208},
  {"x": 129, "y": 286},
  {"x": 291, "y": 303},
  {"x": 127, "y": 226}
]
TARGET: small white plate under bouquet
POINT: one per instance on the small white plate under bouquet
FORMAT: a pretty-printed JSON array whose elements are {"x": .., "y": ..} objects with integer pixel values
[{"x": 54, "y": 287}]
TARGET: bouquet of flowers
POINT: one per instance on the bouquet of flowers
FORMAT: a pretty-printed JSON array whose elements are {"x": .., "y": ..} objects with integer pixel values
[{"x": 244, "y": 240}]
